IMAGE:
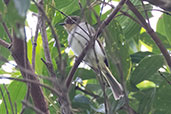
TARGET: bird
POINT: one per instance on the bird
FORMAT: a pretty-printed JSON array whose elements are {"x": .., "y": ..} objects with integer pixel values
[{"x": 79, "y": 35}]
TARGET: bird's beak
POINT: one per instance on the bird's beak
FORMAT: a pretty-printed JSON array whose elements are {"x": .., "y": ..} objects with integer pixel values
[{"x": 62, "y": 24}]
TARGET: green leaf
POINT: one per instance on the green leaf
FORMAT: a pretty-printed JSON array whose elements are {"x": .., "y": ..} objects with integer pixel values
[
  {"x": 81, "y": 101},
  {"x": 17, "y": 92},
  {"x": 22, "y": 6},
  {"x": 138, "y": 56},
  {"x": 33, "y": 8},
  {"x": 148, "y": 40},
  {"x": 12, "y": 16},
  {"x": 85, "y": 74},
  {"x": 147, "y": 67},
  {"x": 1, "y": 8},
  {"x": 39, "y": 54},
  {"x": 130, "y": 27},
  {"x": 162, "y": 101},
  {"x": 4, "y": 52},
  {"x": 145, "y": 99},
  {"x": 117, "y": 49},
  {"x": 164, "y": 26}
]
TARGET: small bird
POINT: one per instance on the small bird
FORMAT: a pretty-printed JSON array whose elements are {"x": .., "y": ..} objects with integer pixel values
[{"x": 79, "y": 35}]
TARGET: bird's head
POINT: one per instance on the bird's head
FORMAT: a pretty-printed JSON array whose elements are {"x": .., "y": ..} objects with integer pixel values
[{"x": 70, "y": 23}]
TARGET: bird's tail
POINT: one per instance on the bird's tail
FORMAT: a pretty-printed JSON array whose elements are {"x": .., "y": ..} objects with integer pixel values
[{"x": 116, "y": 87}]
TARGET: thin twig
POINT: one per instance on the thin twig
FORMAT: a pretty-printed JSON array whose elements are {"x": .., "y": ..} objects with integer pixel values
[
  {"x": 52, "y": 29},
  {"x": 101, "y": 10},
  {"x": 35, "y": 44},
  {"x": 38, "y": 111},
  {"x": 4, "y": 43},
  {"x": 50, "y": 69},
  {"x": 26, "y": 99},
  {"x": 33, "y": 82},
  {"x": 7, "y": 31},
  {"x": 111, "y": 16},
  {"x": 151, "y": 32},
  {"x": 5, "y": 104},
  {"x": 9, "y": 98},
  {"x": 145, "y": 12},
  {"x": 45, "y": 39},
  {"x": 15, "y": 105},
  {"x": 123, "y": 12},
  {"x": 169, "y": 82}
]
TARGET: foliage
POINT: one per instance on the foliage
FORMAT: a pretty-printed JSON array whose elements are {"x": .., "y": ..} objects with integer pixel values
[{"x": 146, "y": 74}]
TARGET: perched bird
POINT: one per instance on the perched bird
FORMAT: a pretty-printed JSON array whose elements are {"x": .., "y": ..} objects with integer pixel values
[{"x": 79, "y": 34}]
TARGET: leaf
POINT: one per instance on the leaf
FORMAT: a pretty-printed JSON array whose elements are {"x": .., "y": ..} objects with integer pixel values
[
  {"x": 4, "y": 52},
  {"x": 148, "y": 40},
  {"x": 81, "y": 101},
  {"x": 22, "y": 6},
  {"x": 162, "y": 101},
  {"x": 17, "y": 92},
  {"x": 117, "y": 49},
  {"x": 11, "y": 15},
  {"x": 85, "y": 74},
  {"x": 164, "y": 26},
  {"x": 1, "y": 8},
  {"x": 39, "y": 54},
  {"x": 33, "y": 8},
  {"x": 138, "y": 56},
  {"x": 145, "y": 99},
  {"x": 146, "y": 68},
  {"x": 130, "y": 27}
]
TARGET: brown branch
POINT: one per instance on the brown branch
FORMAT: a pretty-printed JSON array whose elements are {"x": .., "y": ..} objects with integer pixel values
[
  {"x": 15, "y": 107},
  {"x": 4, "y": 43},
  {"x": 50, "y": 69},
  {"x": 7, "y": 31},
  {"x": 45, "y": 39},
  {"x": 35, "y": 44},
  {"x": 33, "y": 82},
  {"x": 52, "y": 29},
  {"x": 3, "y": 98},
  {"x": 38, "y": 111},
  {"x": 19, "y": 54},
  {"x": 9, "y": 98},
  {"x": 151, "y": 32}
]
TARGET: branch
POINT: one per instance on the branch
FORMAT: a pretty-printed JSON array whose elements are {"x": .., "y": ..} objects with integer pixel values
[
  {"x": 33, "y": 82},
  {"x": 45, "y": 39},
  {"x": 151, "y": 32},
  {"x": 19, "y": 54},
  {"x": 162, "y": 75},
  {"x": 38, "y": 111},
  {"x": 15, "y": 107},
  {"x": 111, "y": 16},
  {"x": 52, "y": 29},
  {"x": 35, "y": 44},
  {"x": 5, "y": 104},
  {"x": 4, "y": 43},
  {"x": 7, "y": 31},
  {"x": 9, "y": 98}
]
